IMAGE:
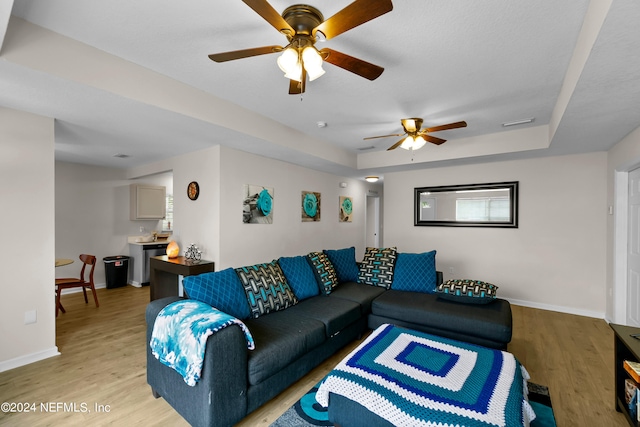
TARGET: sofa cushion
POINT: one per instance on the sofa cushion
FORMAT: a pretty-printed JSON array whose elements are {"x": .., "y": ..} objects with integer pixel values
[
  {"x": 467, "y": 291},
  {"x": 492, "y": 322},
  {"x": 266, "y": 288},
  {"x": 344, "y": 262},
  {"x": 220, "y": 289},
  {"x": 358, "y": 293},
  {"x": 299, "y": 276},
  {"x": 415, "y": 272},
  {"x": 324, "y": 272},
  {"x": 335, "y": 313},
  {"x": 280, "y": 338},
  {"x": 377, "y": 266}
]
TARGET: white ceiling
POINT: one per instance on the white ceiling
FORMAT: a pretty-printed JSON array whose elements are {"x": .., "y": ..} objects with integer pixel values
[{"x": 140, "y": 83}]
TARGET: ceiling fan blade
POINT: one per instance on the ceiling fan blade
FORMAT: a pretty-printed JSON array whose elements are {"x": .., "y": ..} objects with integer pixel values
[
  {"x": 433, "y": 139},
  {"x": 264, "y": 9},
  {"x": 296, "y": 87},
  {"x": 383, "y": 136},
  {"x": 446, "y": 127},
  {"x": 245, "y": 53},
  {"x": 357, "y": 13},
  {"x": 396, "y": 145},
  {"x": 349, "y": 63}
]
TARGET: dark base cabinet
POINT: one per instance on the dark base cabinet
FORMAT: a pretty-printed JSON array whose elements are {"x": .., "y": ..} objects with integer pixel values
[
  {"x": 165, "y": 272},
  {"x": 625, "y": 348}
]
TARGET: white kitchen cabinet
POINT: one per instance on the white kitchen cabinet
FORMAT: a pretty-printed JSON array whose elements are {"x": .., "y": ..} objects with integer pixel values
[{"x": 147, "y": 201}]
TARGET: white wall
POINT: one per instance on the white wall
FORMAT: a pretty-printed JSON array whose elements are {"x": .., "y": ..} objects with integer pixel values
[
  {"x": 243, "y": 244},
  {"x": 27, "y": 252},
  {"x": 556, "y": 259},
  {"x": 197, "y": 221},
  {"x": 92, "y": 214},
  {"x": 623, "y": 157},
  {"x": 214, "y": 221}
]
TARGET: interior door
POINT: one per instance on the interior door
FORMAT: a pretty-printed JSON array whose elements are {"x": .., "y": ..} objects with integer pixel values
[
  {"x": 373, "y": 222},
  {"x": 633, "y": 250}
]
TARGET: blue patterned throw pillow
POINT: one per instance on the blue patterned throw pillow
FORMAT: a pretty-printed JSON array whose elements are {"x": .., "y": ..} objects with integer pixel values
[
  {"x": 266, "y": 288},
  {"x": 299, "y": 276},
  {"x": 344, "y": 262},
  {"x": 326, "y": 276},
  {"x": 467, "y": 291},
  {"x": 377, "y": 267},
  {"x": 415, "y": 272},
  {"x": 220, "y": 289}
]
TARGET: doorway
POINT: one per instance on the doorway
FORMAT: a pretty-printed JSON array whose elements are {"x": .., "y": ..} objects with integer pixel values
[
  {"x": 372, "y": 219},
  {"x": 633, "y": 249}
]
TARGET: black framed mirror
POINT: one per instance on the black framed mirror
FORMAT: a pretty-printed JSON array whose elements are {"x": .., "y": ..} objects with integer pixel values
[{"x": 471, "y": 205}]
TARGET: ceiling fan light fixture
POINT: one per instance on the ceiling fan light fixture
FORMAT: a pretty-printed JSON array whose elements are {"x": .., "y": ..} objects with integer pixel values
[
  {"x": 418, "y": 142},
  {"x": 312, "y": 62},
  {"x": 407, "y": 144},
  {"x": 289, "y": 63}
]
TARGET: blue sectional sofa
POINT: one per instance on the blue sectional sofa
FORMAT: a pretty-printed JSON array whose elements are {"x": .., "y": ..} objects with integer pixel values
[{"x": 300, "y": 311}]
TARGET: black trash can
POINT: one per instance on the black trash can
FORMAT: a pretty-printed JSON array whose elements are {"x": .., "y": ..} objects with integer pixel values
[{"x": 116, "y": 270}]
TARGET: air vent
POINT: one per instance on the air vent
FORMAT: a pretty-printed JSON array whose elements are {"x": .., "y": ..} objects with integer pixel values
[
  {"x": 121, "y": 156},
  {"x": 518, "y": 122}
]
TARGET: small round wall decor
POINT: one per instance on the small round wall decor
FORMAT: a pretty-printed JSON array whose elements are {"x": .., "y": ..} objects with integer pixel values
[{"x": 193, "y": 190}]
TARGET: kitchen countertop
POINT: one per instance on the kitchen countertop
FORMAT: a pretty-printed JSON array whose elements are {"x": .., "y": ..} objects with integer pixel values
[{"x": 132, "y": 241}]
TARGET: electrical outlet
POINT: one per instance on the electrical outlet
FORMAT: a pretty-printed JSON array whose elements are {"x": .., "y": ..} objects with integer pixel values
[
  {"x": 451, "y": 270},
  {"x": 30, "y": 317}
]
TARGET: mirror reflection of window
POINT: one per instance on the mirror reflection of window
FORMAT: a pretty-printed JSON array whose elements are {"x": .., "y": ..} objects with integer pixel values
[
  {"x": 489, "y": 205},
  {"x": 483, "y": 209}
]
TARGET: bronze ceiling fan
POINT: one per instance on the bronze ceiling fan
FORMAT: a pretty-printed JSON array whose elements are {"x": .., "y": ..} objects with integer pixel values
[
  {"x": 303, "y": 25},
  {"x": 416, "y": 137}
]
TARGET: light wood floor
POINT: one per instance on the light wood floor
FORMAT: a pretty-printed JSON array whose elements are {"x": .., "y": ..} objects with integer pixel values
[{"x": 103, "y": 363}]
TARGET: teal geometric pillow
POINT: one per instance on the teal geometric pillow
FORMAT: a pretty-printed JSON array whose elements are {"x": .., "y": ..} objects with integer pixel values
[
  {"x": 467, "y": 291},
  {"x": 299, "y": 276},
  {"x": 266, "y": 288},
  {"x": 415, "y": 272},
  {"x": 326, "y": 276},
  {"x": 377, "y": 267},
  {"x": 220, "y": 289},
  {"x": 344, "y": 262}
]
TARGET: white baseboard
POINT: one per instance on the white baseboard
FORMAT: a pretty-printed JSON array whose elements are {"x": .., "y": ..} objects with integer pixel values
[
  {"x": 76, "y": 290},
  {"x": 28, "y": 358},
  {"x": 98, "y": 286},
  {"x": 558, "y": 308}
]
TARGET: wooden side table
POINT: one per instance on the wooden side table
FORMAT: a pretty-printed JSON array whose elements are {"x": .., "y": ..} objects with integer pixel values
[
  {"x": 165, "y": 271},
  {"x": 625, "y": 348}
]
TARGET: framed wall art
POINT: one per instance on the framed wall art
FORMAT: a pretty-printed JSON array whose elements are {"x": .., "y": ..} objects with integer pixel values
[
  {"x": 345, "y": 210},
  {"x": 257, "y": 204},
  {"x": 310, "y": 206}
]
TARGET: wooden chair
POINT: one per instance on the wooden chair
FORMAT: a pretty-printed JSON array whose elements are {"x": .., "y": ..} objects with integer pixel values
[{"x": 73, "y": 282}]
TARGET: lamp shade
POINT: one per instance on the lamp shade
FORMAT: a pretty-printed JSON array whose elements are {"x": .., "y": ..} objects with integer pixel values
[
  {"x": 418, "y": 142},
  {"x": 407, "y": 144},
  {"x": 289, "y": 63},
  {"x": 312, "y": 62}
]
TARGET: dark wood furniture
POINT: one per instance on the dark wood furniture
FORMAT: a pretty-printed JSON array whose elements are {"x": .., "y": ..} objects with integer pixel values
[
  {"x": 165, "y": 272},
  {"x": 625, "y": 348},
  {"x": 74, "y": 282}
]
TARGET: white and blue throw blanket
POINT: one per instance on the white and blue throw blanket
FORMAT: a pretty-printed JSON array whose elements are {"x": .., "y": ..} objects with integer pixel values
[
  {"x": 411, "y": 378},
  {"x": 180, "y": 333}
]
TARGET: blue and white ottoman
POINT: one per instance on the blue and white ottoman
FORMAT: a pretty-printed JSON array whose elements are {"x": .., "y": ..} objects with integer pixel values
[{"x": 401, "y": 377}]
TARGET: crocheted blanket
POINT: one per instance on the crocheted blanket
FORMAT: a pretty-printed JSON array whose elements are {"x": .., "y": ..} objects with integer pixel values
[
  {"x": 410, "y": 378},
  {"x": 180, "y": 333}
]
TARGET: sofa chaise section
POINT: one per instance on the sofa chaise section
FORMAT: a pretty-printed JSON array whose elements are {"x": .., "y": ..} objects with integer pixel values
[{"x": 488, "y": 325}]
